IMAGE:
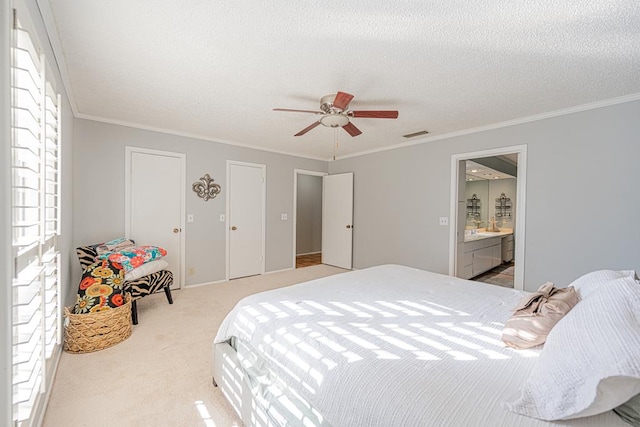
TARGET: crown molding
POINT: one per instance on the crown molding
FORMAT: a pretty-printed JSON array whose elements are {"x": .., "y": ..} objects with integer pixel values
[
  {"x": 192, "y": 135},
  {"x": 508, "y": 123}
]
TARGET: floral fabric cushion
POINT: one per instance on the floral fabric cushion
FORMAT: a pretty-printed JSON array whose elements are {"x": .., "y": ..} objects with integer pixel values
[
  {"x": 133, "y": 257},
  {"x": 101, "y": 288}
]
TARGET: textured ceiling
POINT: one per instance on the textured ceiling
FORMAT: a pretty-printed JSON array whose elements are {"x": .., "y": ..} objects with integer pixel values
[{"x": 216, "y": 69}]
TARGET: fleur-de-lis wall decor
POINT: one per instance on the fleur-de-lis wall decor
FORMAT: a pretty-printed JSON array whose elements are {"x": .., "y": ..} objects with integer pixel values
[{"x": 205, "y": 188}]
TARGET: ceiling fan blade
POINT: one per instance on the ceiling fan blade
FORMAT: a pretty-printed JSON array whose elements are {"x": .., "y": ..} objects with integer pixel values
[
  {"x": 342, "y": 100},
  {"x": 298, "y": 111},
  {"x": 351, "y": 129},
  {"x": 307, "y": 129},
  {"x": 373, "y": 114}
]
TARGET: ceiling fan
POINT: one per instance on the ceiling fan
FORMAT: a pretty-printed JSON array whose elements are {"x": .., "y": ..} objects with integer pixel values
[{"x": 335, "y": 113}]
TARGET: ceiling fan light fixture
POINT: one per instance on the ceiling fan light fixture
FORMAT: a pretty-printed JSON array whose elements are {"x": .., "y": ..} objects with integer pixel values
[
  {"x": 326, "y": 103},
  {"x": 335, "y": 113},
  {"x": 334, "y": 120}
]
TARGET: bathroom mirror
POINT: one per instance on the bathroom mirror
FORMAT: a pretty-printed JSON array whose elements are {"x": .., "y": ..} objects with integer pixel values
[{"x": 487, "y": 185}]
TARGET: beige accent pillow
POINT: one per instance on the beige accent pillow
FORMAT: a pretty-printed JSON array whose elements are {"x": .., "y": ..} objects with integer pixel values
[{"x": 536, "y": 314}]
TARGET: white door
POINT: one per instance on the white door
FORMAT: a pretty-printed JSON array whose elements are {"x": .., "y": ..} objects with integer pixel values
[
  {"x": 246, "y": 219},
  {"x": 337, "y": 220},
  {"x": 155, "y": 208}
]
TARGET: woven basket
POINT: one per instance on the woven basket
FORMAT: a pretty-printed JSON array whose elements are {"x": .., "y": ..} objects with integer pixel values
[{"x": 89, "y": 332}]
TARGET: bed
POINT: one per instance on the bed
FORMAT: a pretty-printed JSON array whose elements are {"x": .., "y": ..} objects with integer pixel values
[{"x": 384, "y": 346}]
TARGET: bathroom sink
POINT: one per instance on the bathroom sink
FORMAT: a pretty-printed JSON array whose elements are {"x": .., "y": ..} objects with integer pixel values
[{"x": 482, "y": 235}]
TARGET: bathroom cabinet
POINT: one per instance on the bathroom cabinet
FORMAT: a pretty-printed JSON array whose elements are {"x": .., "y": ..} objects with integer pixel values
[
  {"x": 507, "y": 248},
  {"x": 481, "y": 256}
]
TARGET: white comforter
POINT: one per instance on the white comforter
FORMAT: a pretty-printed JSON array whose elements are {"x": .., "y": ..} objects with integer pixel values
[{"x": 385, "y": 346}]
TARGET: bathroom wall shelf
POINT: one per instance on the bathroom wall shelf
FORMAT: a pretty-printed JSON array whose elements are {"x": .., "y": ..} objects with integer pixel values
[
  {"x": 503, "y": 206},
  {"x": 473, "y": 207}
]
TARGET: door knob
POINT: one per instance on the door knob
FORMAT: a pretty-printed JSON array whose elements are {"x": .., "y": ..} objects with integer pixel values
[
  {"x": 348, "y": 226},
  {"x": 234, "y": 227},
  {"x": 176, "y": 230}
]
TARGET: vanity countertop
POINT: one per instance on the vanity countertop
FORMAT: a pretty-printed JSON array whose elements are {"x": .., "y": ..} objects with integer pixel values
[{"x": 480, "y": 235}]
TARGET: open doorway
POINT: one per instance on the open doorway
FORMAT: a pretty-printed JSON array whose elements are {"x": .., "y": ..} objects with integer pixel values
[
  {"x": 491, "y": 197},
  {"x": 307, "y": 240},
  {"x": 487, "y": 237}
]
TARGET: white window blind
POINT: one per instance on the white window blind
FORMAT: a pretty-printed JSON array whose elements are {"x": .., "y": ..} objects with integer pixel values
[{"x": 35, "y": 144}]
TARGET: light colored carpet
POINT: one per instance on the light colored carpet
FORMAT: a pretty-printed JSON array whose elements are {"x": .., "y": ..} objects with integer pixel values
[{"x": 161, "y": 375}]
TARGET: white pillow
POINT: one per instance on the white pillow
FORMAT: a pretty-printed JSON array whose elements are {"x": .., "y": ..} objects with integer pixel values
[
  {"x": 591, "y": 360},
  {"x": 146, "y": 268},
  {"x": 591, "y": 281}
]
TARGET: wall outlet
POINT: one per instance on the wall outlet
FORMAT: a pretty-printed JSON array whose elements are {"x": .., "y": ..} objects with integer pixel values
[
  {"x": 283, "y": 216},
  {"x": 189, "y": 217},
  {"x": 444, "y": 220},
  {"x": 191, "y": 271},
  {"x": 222, "y": 218}
]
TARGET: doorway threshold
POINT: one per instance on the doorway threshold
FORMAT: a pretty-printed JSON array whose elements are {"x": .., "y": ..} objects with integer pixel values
[{"x": 308, "y": 260}]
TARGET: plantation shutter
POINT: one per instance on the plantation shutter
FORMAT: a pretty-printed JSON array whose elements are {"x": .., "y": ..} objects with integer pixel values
[{"x": 35, "y": 183}]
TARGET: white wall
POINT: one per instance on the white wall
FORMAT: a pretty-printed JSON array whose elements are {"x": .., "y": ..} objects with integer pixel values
[
  {"x": 576, "y": 221},
  {"x": 99, "y": 193},
  {"x": 309, "y": 214}
]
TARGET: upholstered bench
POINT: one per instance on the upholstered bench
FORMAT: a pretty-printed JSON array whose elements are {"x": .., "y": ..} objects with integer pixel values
[{"x": 145, "y": 285}]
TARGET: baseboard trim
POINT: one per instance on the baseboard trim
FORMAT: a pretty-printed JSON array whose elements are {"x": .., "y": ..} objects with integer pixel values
[
  {"x": 279, "y": 271},
  {"x": 309, "y": 253},
  {"x": 197, "y": 285}
]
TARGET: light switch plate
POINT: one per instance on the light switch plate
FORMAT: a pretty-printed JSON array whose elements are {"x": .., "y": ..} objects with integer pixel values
[
  {"x": 222, "y": 218},
  {"x": 444, "y": 220},
  {"x": 283, "y": 216},
  {"x": 189, "y": 217}
]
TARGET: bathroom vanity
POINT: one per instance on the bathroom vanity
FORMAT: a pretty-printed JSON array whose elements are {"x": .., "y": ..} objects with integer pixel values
[{"x": 484, "y": 250}]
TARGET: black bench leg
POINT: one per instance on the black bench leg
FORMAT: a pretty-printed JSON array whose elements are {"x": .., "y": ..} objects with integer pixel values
[
  {"x": 134, "y": 311},
  {"x": 167, "y": 291}
]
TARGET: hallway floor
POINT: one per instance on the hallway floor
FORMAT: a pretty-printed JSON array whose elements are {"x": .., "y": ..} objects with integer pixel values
[{"x": 308, "y": 260}]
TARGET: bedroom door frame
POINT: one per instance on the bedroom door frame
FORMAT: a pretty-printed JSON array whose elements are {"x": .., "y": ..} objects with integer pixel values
[
  {"x": 521, "y": 186},
  {"x": 228, "y": 218},
  {"x": 296, "y": 173},
  {"x": 129, "y": 151}
]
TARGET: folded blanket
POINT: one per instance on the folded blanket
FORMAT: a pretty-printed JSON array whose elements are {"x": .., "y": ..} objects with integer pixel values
[
  {"x": 130, "y": 258},
  {"x": 114, "y": 246}
]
